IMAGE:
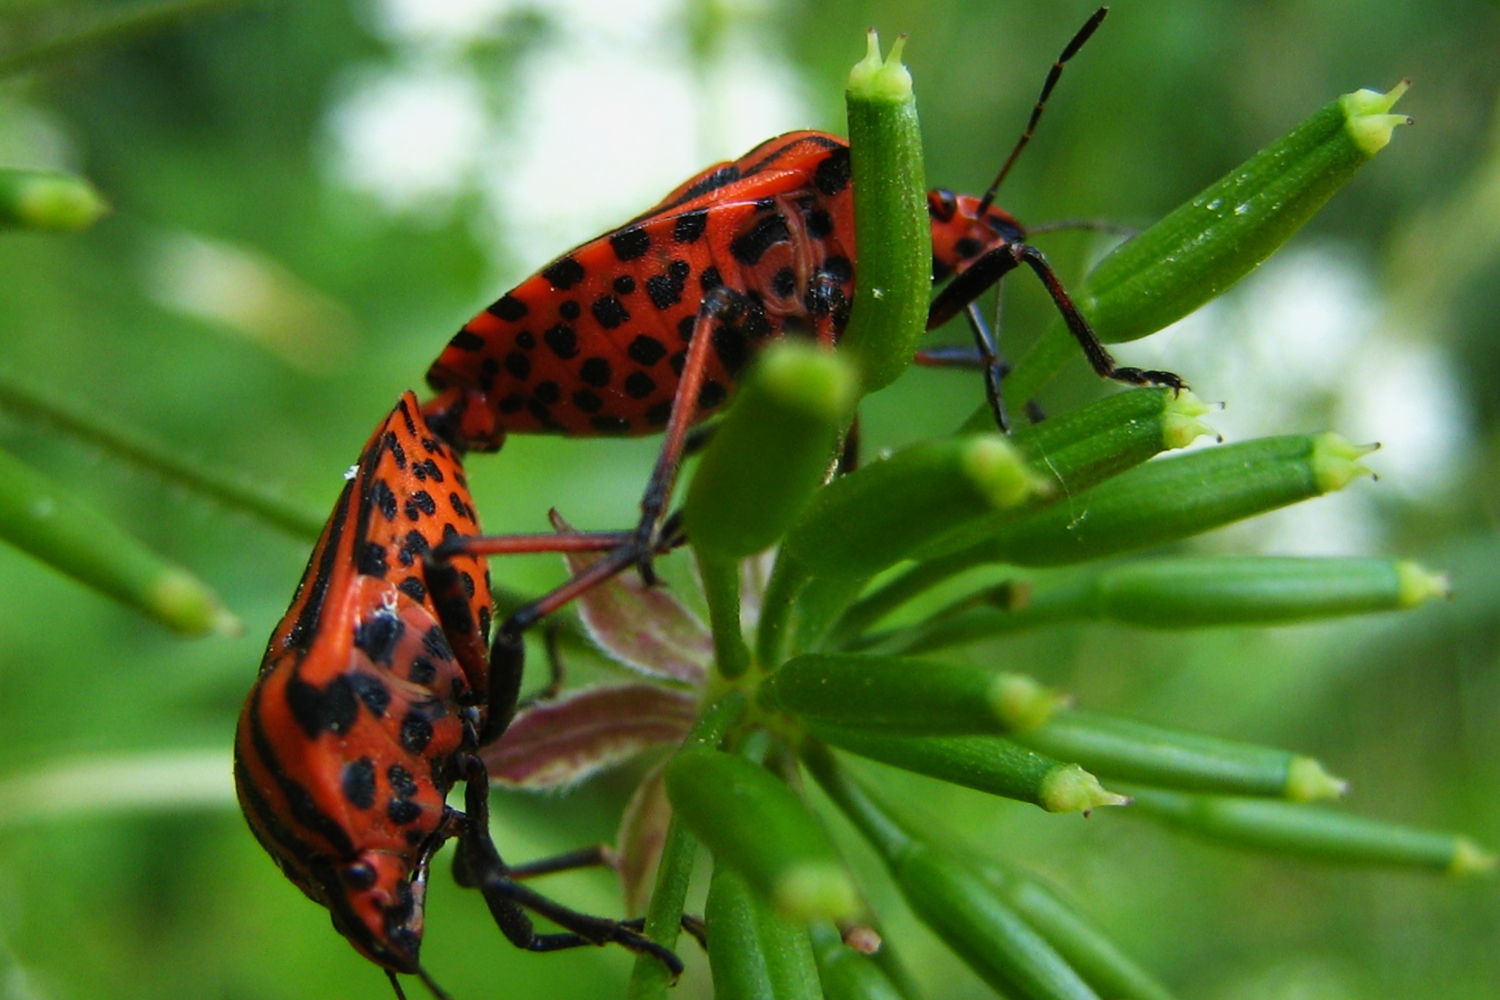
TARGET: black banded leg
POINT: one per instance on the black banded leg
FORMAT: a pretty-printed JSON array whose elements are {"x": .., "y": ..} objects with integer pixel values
[{"x": 508, "y": 900}]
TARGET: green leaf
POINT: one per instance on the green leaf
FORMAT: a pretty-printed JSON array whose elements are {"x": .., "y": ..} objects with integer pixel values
[{"x": 754, "y": 952}]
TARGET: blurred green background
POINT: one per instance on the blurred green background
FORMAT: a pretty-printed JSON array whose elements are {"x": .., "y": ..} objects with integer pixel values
[{"x": 311, "y": 196}]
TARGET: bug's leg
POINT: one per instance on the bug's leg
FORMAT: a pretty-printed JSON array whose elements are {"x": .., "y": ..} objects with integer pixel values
[
  {"x": 1100, "y": 359},
  {"x": 508, "y": 900},
  {"x": 1084, "y": 225},
  {"x": 984, "y": 355},
  {"x": 719, "y": 304},
  {"x": 976, "y": 279}
]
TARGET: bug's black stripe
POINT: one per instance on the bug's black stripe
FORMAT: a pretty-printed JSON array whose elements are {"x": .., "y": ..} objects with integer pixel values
[
  {"x": 301, "y": 634},
  {"x": 725, "y": 177},
  {"x": 411, "y": 427},
  {"x": 292, "y": 853},
  {"x": 300, "y": 802}
]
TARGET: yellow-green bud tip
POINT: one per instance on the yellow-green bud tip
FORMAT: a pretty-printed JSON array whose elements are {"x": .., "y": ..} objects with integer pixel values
[
  {"x": 862, "y": 938},
  {"x": 1070, "y": 788},
  {"x": 808, "y": 378},
  {"x": 1180, "y": 425},
  {"x": 817, "y": 890},
  {"x": 1306, "y": 781},
  {"x": 59, "y": 202},
  {"x": 1367, "y": 121},
  {"x": 1020, "y": 703},
  {"x": 873, "y": 78},
  {"x": 1470, "y": 859},
  {"x": 184, "y": 603},
  {"x": 1335, "y": 462},
  {"x": 998, "y": 473},
  {"x": 1416, "y": 585}
]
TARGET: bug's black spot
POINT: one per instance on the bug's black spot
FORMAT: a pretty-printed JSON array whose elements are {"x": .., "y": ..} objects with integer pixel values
[
  {"x": 436, "y": 644},
  {"x": 519, "y": 365},
  {"x": 459, "y": 507},
  {"x": 418, "y": 504},
  {"x": 416, "y": 731},
  {"x": 639, "y": 385},
  {"x": 595, "y": 372},
  {"x": 512, "y": 403},
  {"x": 658, "y": 415},
  {"x": 412, "y": 546},
  {"x": 509, "y": 308},
  {"x": 467, "y": 340},
  {"x": 765, "y": 204},
  {"x": 839, "y": 269},
  {"x": 402, "y": 812},
  {"x": 570, "y": 309},
  {"x": 539, "y": 410},
  {"x": 422, "y": 670},
  {"x": 833, "y": 174},
  {"x": 484, "y": 613},
  {"x": 398, "y": 453},
  {"x": 490, "y": 367},
  {"x": 449, "y": 532},
  {"x": 547, "y": 392},
  {"x": 562, "y": 340},
  {"x": 678, "y": 361},
  {"x": 711, "y": 395},
  {"x": 385, "y": 500},
  {"x": 467, "y": 581},
  {"x": 525, "y": 340},
  {"x": 403, "y": 785},
  {"x": 630, "y": 243},
  {"x": 587, "y": 401},
  {"x": 609, "y": 311},
  {"x": 359, "y": 875},
  {"x": 819, "y": 224},
  {"x": 317, "y": 710},
  {"x": 784, "y": 283},
  {"x": 414, "y": 588},
  {"x": 968, "y": 247},
  {"x": 372, "y": 560},
  {"x": 733, "y": 349},
  {"x": 647, "y": 351},
  {"x": 709, "y": 279},
  {"x": 432, "y": 470},
  {"x": 372, "y": 691},
  {"x": 358, "y": 785},
  {"x": 624, "y": 285},
  {"x": 378, "y": 634},
  {"x": 609, "y": 425},
  {"x": 563, "y": 274},
  {"x": 432, "y": 446},
  {"x": 690, "y": 226},
  {"x": 685, "y": 328},
  {"x": 663, "y": 291},
  {"x": 749, "y": 247}
]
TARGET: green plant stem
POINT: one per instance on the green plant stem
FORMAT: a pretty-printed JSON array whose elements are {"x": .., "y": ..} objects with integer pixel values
[{"x": 108, "y": 29}]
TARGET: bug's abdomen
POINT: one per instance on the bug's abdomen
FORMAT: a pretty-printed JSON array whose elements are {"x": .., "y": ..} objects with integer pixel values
[{"x": 595, "y": 342}]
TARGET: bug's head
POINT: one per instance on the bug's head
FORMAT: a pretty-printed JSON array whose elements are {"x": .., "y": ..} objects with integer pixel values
[
  {"x": 377, "y": 903},
  {"x": 960, "y": 233}
]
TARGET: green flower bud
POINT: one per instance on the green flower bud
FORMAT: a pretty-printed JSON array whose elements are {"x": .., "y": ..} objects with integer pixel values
[
  {"x": 31, "y": 199},
  {"x": 755, "y": 952}
]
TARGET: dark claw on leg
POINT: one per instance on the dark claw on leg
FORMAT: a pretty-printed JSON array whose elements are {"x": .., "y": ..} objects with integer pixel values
[{"x": 1137, "y": 376}]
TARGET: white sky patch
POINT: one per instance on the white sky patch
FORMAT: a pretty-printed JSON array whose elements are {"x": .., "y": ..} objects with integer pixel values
[{"x": 607, "y": 115}]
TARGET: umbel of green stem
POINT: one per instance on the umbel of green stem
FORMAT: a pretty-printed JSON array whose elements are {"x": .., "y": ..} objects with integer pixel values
[{"x": 1202, "y": 248}]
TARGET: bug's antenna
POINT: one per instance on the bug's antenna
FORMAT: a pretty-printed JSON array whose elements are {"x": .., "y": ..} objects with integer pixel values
[{"x": 1036, "y": 113}]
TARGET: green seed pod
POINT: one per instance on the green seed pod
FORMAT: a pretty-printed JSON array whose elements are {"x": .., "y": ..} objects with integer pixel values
[
  {"x": 1313, "y": 832},
  {"x": 754, "y": 952},
  {"x": 891, "y": 225},
  {"x": 753, "y": 822},
  {"x": 873, "y": 518},
  {"x": 845, "y": 973},
  {"x": 953, "y": 900},
  {"x": 771, "y": 452},
  {"x": 1089, "y": 950},
  {"x": 1198, "y": 251},
  {"x": 1173, "y": 499},
  {"x": 987, "y": 763},
  {"x": 1133, "y": 751},
  {"x": 31, "y": 199},
  {"x": 894, "y": 694},
  {"x": 39, "y": 517}
]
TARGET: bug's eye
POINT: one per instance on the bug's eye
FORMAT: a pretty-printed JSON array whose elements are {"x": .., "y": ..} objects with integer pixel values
[
  {"x": 941, "y": 204},
  {"x": 358, "y": 875}
]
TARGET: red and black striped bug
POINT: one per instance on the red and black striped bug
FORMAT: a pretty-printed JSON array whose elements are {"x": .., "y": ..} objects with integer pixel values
[
  {"x": 606, "y": 339},
  {"x": 376, "y": 690}
]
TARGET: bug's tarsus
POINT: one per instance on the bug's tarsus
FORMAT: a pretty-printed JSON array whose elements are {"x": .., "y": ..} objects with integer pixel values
[
  {"x": 1053, "y": 75},
  {"x": 431, "y": 984},
  {"x": 508, "y": 900}
]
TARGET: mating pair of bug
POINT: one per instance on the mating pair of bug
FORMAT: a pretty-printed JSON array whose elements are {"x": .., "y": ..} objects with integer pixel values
[{"x": 384, "y": 679}]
